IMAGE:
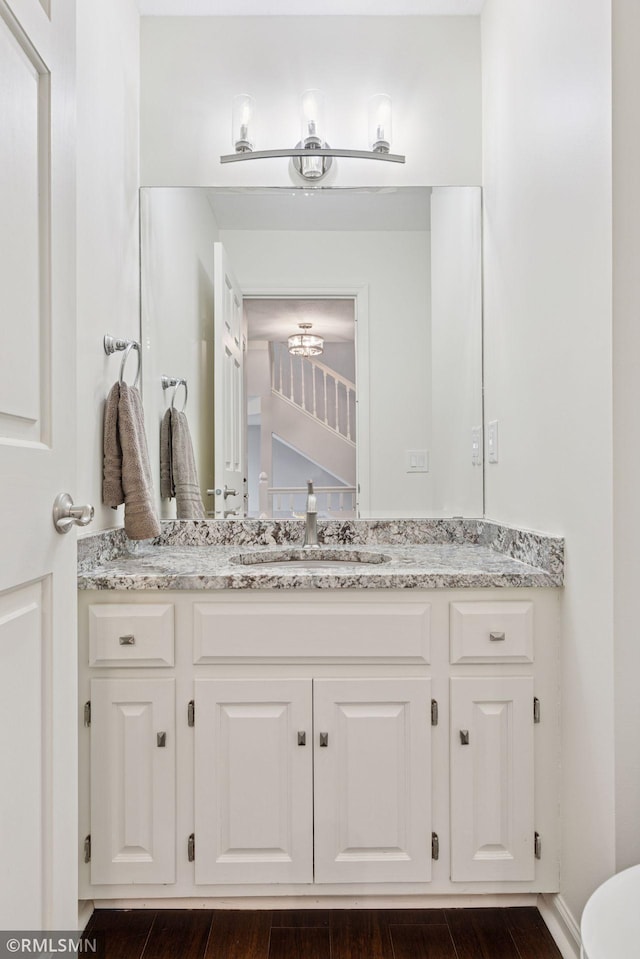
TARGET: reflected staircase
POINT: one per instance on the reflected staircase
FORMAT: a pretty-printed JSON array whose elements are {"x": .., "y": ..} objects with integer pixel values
[{"x": 313, "y": 409}]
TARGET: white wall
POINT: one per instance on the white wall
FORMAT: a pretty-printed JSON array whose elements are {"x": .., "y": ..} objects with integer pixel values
[
  {"x": 394, "y": 266},
  {"x": 548, "y": 380},
  {"x": 456, "y": 345},
  {"x": 192, "y": 68},
  {"x": 178, "y": 232},
  {"x": 626, "y": 404},
  {"x": 107, "y": 222}
]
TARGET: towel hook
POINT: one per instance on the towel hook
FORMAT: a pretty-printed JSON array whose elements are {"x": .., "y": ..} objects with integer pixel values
[
  {"x": 175, "y": 382},
  {"x": 111, "y": 345}
]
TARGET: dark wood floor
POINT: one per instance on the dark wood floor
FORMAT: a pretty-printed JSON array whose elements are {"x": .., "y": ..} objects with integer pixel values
[{"x": 515, "y": 933}]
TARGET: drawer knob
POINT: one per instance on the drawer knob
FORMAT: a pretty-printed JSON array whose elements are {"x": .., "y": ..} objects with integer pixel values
[
  {"x": 464, "y": 737},
  {"x": 497, "y": 637},
  {"x": 127, "y": 640}
]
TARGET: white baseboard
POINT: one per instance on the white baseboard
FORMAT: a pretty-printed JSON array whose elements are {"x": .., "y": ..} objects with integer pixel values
[
  {"x": 85, "y": 911},
  {"x": 561, "y": 924},
  {"x": 326, "y": 902}
]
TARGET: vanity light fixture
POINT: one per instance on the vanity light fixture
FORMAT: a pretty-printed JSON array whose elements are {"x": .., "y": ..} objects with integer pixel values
[
  {"x": 312, "y": 156},
  {"x": 305, "y": 343}
]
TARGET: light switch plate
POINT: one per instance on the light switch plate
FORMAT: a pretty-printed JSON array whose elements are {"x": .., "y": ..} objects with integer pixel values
[
  {"x": 476, "y": 446},
  {"x": 492, "y": 441},
  {"x": 417, "y": 461}
]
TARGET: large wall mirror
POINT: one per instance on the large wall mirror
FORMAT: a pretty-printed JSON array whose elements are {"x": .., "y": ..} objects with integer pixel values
[{"x": 325, "y": 334}]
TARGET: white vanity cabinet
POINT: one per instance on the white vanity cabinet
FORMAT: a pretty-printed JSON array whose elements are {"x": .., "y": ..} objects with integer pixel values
[
  {"x": 133, "y": 781},
  {"x": 492, "y": 778},
  {"x": 301, "y": 780},
  {"x": 344, "y": 742}
]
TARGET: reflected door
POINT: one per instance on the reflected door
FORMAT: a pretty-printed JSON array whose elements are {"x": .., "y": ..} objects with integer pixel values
[
  {"x": 38, "y": 650},
  {"x": 230, "y": 342}
]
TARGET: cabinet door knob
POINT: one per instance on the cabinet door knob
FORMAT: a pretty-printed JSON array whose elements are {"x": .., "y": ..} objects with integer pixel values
[
  {"x": 464, "y": 737},
  {"x": 161, "y": 740},
  {"x": 324, "y": 739},
  {"x": 302, "y": 738}
]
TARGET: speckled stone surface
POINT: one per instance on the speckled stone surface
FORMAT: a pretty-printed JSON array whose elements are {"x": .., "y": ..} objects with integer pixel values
[{"x": 429, "y": 566}]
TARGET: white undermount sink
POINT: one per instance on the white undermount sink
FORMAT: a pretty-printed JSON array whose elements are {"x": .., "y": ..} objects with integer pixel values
[{"x": 309, "y": 558}]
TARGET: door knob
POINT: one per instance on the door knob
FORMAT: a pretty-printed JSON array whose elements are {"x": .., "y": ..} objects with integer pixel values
[{"x": 66, "y": 515}]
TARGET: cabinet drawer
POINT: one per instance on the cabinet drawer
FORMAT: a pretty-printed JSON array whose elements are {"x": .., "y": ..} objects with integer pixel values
[
  {"x": 313, "y": 632},
  {"x": 496, "y": 632},
  {"x": 131, "y": 635}
]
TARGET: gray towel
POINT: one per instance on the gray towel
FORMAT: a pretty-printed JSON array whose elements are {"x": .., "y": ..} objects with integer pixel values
[
  {"x": 178, "y": 474},
  {"x": 126, "y": 472}
]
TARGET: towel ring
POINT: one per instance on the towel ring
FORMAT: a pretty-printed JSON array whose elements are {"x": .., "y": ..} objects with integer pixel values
[
  {"x": 173, "y": 381},
  {"x": 113, "y": 345},
  {"x": 130, "y": 346}
]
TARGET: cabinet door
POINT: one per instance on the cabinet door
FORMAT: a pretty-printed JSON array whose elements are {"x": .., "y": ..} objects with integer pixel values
[
  {"x": 133, "y": 781},
  {"x": 253, "y": 781},
  {"x": 492, "y": 825},
  {"x": 372, "y": 780}
]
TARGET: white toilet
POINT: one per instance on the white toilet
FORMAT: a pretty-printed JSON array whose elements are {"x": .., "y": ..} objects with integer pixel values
[{"x": 610, "y": 926}]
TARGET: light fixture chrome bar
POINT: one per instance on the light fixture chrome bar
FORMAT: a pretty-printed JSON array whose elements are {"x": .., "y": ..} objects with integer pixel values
[{"x": 329, "y": 152}]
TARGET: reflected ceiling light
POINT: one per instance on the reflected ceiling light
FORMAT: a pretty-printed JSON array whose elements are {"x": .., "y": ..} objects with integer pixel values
[
  {"x": 305, "y": 343},
  {"x": 312, "y": 156}
]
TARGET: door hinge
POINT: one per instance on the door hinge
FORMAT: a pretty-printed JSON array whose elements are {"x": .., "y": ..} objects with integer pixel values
[
  {"x": 191, "y": 713},
  {"x": 87, "y": 848},
  {"x": 434, "y": 712},
  {"x": 191, "y": 847},
  {"x": 435, "y": 846},
  {"x": 537, "y": 845},
  {"x": 536, "y": 709},
  {"x": 87, "y": 713}
]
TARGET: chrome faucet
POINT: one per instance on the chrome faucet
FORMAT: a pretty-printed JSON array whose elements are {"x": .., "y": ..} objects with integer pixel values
[{"x": 311, "y": 519}]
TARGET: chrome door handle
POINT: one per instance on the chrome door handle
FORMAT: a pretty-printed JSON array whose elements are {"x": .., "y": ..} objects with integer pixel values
[
  {"x": 225, "y": 492},
  {"x": 66, "y": 515}
]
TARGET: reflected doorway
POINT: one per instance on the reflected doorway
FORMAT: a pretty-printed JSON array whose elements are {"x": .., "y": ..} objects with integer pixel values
[{"x": 301, "y": 410}]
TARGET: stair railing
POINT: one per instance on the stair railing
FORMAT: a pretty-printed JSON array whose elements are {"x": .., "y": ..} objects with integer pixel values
[
  {"x": 316, "y": 389},
  {"x": 332, "y": 501}
]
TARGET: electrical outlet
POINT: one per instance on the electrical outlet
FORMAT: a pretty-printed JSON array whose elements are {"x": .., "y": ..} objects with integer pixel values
[
  {"x": 417, "y": 461},
  {"x": 492, "y": 441}
]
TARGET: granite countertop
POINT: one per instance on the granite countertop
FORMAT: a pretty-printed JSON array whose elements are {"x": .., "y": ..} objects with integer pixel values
[{"x": 405, "y": 566}]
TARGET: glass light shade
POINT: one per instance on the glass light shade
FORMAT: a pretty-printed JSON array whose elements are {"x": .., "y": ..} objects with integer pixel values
[
  {"x": 312, "y": 118},
  {"x": 242, "y": 115},
  {"x": 380, "y": 123},
  {"x": 305, "y": 344}
]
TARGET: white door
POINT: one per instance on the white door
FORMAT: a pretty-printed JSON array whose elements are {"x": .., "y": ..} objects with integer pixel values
[
  {"x": 133, "y": 781},
  {"x": 230, "y": 343},
  {"x": 253, "y": 781},
  {"x": 372, "y": 773},
  {"x": 38, "y": 649},
  {"x": 492, "y": 826}
]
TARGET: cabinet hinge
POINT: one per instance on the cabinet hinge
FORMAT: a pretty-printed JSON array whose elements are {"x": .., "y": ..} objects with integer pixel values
[
  {"x": 87, "y": 713},
  {"x": 435, "y": 846},
  {"x": 537, "y": 845},
  {"x": 191, "y": 713},
  {"x": 191, "y": 847},
  {"x": 536, "y": 709},
  {"x": 87, "y": 848},
  {"x": 434, "y": 712}
]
